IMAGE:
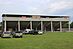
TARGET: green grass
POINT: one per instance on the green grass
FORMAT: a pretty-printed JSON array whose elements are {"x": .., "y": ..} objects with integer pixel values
[{"x": 54, "y": 40}]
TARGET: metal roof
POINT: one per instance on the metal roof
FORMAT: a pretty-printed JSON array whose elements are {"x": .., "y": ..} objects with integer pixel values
[{"x": 31, "y": 14}]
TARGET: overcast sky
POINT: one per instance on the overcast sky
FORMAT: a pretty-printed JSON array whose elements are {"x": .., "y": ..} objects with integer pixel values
[{"x": 49, "y": 7}]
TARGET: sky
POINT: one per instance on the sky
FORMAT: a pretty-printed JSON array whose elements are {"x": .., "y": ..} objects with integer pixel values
[{"x": 48, "y": 7}]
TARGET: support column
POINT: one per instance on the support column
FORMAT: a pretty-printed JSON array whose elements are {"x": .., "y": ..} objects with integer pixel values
[
  {"x": 51, "y": 27},
  {"x": 69, "y": 26},
  {"x": 31, "y": 25},
  {"x": 60, "y": 26},
  {"x": 18, "y": 25},
  {"x": 41, "y": 26},
  {"x": 5, "y": 26}
]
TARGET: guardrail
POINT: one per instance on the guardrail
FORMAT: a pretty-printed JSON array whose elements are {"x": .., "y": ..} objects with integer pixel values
[{"x": 30, "y": 19}]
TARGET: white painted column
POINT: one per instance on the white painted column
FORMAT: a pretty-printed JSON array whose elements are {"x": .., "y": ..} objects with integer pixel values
[
  {"x": 18, "y": 25},
  {"x": 69, "y": 26},
  {"x": 5, "y": 26},
  {"x": 31, "y": 25},
  {"x": 41, "y": 26},
  {"x": 60, "y": 26},
  {"x": 51, "y": 27}
]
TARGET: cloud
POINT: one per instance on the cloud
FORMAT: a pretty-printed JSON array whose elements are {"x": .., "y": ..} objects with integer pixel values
[
  {"x": 50, "y": 6},
  {"x": 59, "y": 5},
  {"x": 5, "y": 2},
  {"x": 35, "y": 10}
]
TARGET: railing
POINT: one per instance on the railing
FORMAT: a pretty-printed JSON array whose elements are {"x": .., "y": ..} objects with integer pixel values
[{"x": 30, "y": 19}]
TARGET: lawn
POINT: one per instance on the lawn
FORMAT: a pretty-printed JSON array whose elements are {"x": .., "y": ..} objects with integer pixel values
[{"x": 50, "y": 40}]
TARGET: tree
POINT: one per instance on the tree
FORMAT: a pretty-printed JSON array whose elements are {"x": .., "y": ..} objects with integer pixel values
[
  {"x": 0, "y": 25},
  {"x": 71, "y": 25}
]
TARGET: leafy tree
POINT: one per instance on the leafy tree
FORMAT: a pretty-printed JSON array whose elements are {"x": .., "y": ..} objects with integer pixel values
[
  {"x": 0, "y": 25},
  {"x": 71, "y": 25}
]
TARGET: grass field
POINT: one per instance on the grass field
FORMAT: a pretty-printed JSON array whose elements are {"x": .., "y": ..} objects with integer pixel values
[{"x": 54, "y": 40}]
